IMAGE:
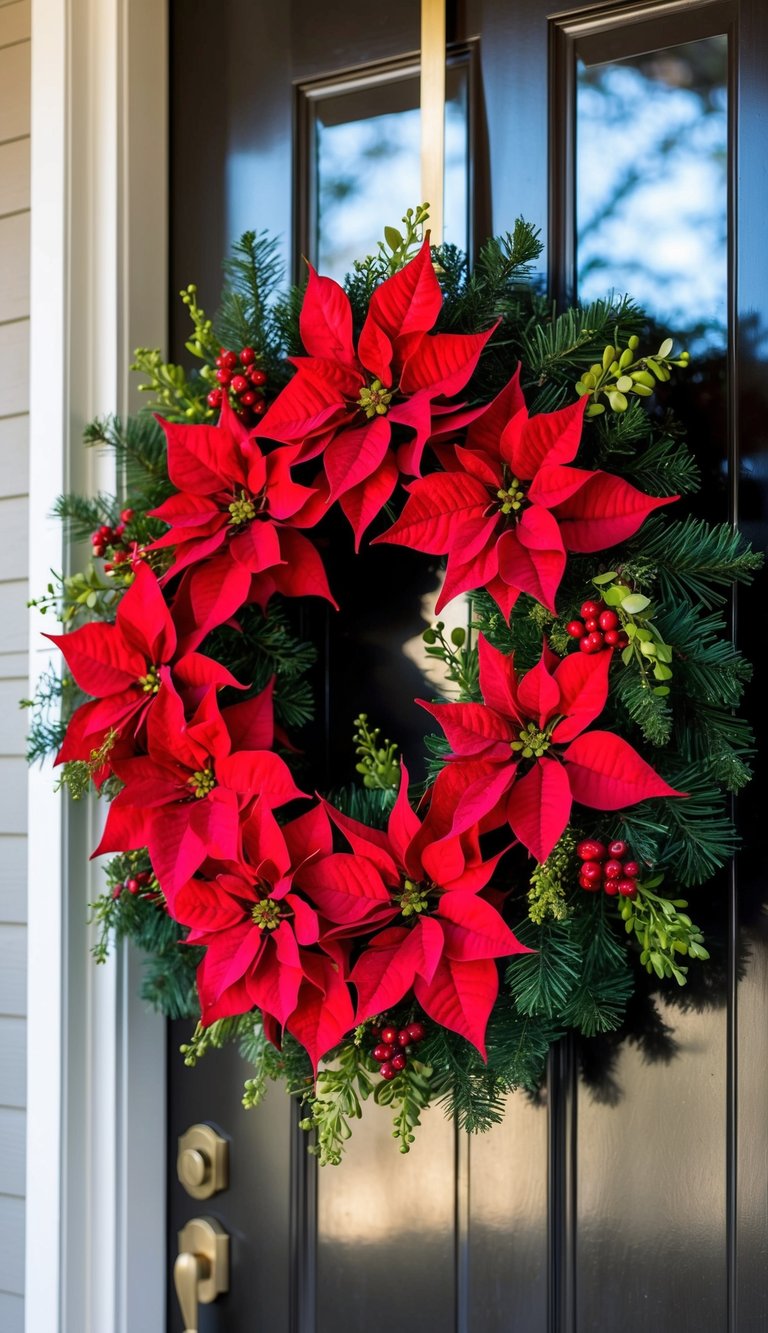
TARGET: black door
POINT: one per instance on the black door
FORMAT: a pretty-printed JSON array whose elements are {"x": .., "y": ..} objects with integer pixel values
[{"x": 634, "y": 1194}]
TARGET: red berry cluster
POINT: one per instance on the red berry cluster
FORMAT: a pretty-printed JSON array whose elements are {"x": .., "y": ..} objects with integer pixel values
[
  {"x": 106, "y": 540},
  {"x": 238, "y": 373},
  {"x": 393, "y": 1047},
  {"x": 598, "y": 628},
  {"x": 604, "y": 867},
  {"x": 134, "y": 883}
]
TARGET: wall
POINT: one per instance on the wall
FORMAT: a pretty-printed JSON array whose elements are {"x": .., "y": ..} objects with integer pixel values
[{"x": 14, "y": 403}]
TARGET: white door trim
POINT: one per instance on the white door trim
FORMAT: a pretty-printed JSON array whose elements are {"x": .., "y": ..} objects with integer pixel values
[{"x": 96, "y": 1083}]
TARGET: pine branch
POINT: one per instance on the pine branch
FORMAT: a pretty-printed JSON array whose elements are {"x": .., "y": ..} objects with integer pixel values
[
  {"x": 692, "y": 560},
  {"x": 253, "y": 272}
]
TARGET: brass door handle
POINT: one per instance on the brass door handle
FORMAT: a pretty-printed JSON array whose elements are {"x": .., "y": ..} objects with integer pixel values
[{"x": 201, "y": 1270}]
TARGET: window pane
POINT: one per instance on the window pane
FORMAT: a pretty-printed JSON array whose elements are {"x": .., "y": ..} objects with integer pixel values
[
  {"x": 367, "y": 165},
  {"x": 652, "y": 187}
]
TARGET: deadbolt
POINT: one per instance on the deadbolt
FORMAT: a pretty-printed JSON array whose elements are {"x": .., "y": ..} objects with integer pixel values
[{"x": 202, "y": 1164}]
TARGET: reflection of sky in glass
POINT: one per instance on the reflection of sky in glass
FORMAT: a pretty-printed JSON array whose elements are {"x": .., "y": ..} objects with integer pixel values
[
  {"x": 651, "y": 185},
  {"x": 369, "y": 172}
]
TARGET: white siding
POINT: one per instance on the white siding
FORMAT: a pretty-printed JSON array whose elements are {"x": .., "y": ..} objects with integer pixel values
[{"x": 14, "y": 403}]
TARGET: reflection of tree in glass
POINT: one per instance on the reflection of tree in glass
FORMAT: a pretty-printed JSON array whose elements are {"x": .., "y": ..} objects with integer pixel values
[
  {"x": 370, "y": 168},
  {"x": 652, "y": 213}
]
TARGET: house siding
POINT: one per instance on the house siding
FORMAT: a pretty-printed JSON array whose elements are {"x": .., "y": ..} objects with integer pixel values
[{"x": 15, "y": 49}]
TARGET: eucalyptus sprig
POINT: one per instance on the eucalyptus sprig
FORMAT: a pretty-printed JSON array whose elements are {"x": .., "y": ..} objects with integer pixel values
[
  {"x": 664, "y": 932},
  {"x": 622, "y": 372},
  {"x": 458, "y": 653},
  {"x": 646, "y": 646}
]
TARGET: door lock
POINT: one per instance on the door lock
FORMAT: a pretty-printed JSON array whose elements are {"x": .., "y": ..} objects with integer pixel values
[
  {"x": 201, "y": 1271},
  {"x": 202, "y": 1164}
]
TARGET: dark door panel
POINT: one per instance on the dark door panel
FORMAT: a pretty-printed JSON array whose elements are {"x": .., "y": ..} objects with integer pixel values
[{"x": 634, "y": 1195}]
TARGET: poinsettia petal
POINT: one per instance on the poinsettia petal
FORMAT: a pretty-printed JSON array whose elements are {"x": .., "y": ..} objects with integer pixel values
[
  {"x": 473, "y": 730},
  {"x": 539, "y": 807},
  {"x": 258, "y": 773},
  {"x": 409, "y": 301},
  {"x": 481, "y": 465},
  {"x": 439, "y": 511},
  {"x": 551, "y": 437},
  {"x": 498, "y": 682},
  {"x": 195, "y": 671},
  {"x": 554, "y": 484},
  {"x": 532, "y": 556},
  {"x": 251, "y": 724},
  {"x": 361, "y": 505},
  {"x": 504, "y": 596},
  {"x": 476, "y": 572},
  {"x": 345, "y": 888},
  {"x": 325, "y": 322},
  {"x": 369, "y": 842},
  {"x": 324, "y": 1012},
  {"x": 485, "y": 433},
  {"x": 583, "y": 682},
  {"x": 100, "y": 659},
  {"x": 274, "y": 983},
  {"x": 606, "y": 773},
  {"x": 202, "y": 459},
  {"x": 605, "y": 511},
  {"x": 482, "y": 799},
  {"x": 305, "y": 920},
  {"x": 308, "y": 837},
  {"x": 302, "y": 573},
  {"x": 306, "y": 406},
  {"x": 384, "y": 972},
  {"x": 461, "y": 996},
  {"x": 257, "y": 547},
  {"x": 404, "y": 823},
  {"x": 538, "y": 693},
  {"x": 144, "y": 618},
  {"x": 207, "y": 597},
  {"x": 355, "y": 454},
  {"x": 474, "y": 929},
  {"x": 375, "y": 351},
  {"x": 443, "y": 363}
]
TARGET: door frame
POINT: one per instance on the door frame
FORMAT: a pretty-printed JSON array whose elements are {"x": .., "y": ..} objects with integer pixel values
[{"x": 95, "y": 1237}]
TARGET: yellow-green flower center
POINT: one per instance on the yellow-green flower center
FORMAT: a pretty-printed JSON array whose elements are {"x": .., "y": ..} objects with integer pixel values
[
  {"x": 513, "y": 498},
  {"x": 375, "y": 400},
  {"x": 414, "y": 898},
  {"x": 151, "y": 682},
  {"x": 531, "y": 743},
  {"x": 266, "y": 914},
  {"x": 242, "y": 509},
  {"x": 202, "y": 783}
]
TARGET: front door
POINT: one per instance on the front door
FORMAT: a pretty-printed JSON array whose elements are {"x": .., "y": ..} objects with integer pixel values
[{"x": 633, "y": 1194}]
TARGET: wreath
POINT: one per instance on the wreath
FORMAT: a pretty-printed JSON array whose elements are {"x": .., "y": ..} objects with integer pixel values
[{"x": 415, "y": 942}]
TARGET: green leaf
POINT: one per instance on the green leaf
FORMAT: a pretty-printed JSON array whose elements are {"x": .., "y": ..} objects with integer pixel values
[{"x": 635, "y": 603}]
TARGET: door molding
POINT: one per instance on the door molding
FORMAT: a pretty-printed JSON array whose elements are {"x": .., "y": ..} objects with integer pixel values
[{"x": 96, "y": 1083}]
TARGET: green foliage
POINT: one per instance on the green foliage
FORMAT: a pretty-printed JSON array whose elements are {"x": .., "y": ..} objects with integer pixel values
[
  {"x": 620, "y": 371},
  {"x": 579, "y": 973},
  {"x": 663, "y": 931},
  {"x": 395, "y": 250},
  {"x": 409, "y": 1093},
  {"x": 377, "y": 761},
  {"x": 458, "y": 653},
  {"x": 138, "y": 445},
  {"x": 549, "y": 881},
  {"x": 265, "y": 645},
  {"x": 690, "y": 560},
  {"x": 337, "y": 1099},
  {"x": 246, "y": 318}
]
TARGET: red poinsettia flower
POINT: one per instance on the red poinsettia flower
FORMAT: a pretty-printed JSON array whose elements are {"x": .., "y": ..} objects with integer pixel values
[
  {"x": 120, "y": 665},
  {"x": 446, "y": 936},
  {"x": 343, "y": 402},
  {"x": 182, "y": 800},
  {"x": 521, "y": 756},
  {"x": 260, "y": 933},
  {"x": 509, "y": 506},
  {"x": 233, "y": 521}
]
